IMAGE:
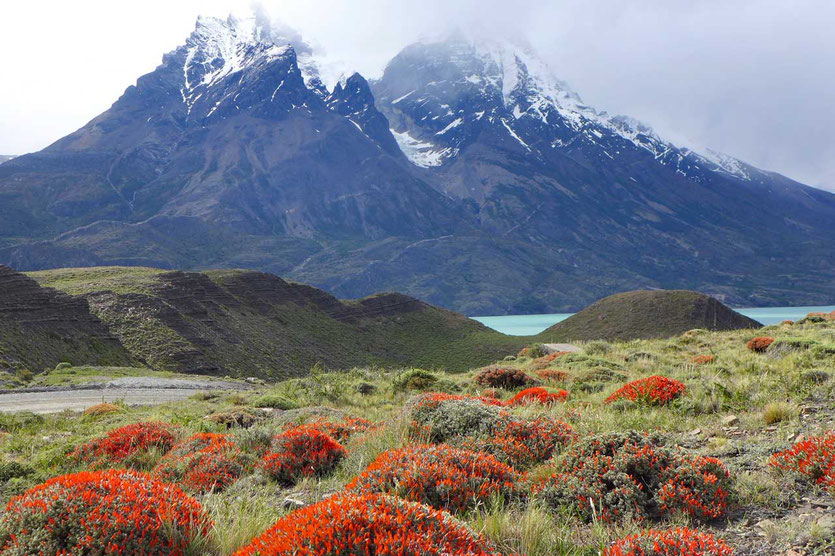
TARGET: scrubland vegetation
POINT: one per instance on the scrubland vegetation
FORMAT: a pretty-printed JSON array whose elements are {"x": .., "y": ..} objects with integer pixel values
[{"x": 711, "y": 443}]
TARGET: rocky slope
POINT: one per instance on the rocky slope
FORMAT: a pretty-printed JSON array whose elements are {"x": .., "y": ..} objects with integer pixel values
[
  {"x": 467, "y": 176},
  {"x": 41, "y": 327},
  {"x": 256, "y": 324}
]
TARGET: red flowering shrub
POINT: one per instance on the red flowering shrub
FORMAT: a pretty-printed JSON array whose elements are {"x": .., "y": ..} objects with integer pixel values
[
  {"x": 127, "y": 444},
  {"x": 546, "y": 360},
  {"x": 503, "y": 377},
  {"x": 813, "y": 458},
  {"x": 203, "y": 462},
  {"x": 618, "y": 475},
  {"x": 447, "y": 478},
  {"x": 302, "y": 452},
  {"x": 552, "y": 375},
  {"x": 538, "y": 394},
  {"x": 672, "y": 542},
  {"x": 653, "y": 390},
  {"x": 340, "y": 431},
  {"x": 102, "y": 512},
  {"x": 365, "y": 525},
  {"x": 787, "y": 322},
  {"x": 760, "y": 343},
  {"x": 479, "y": 424},
  {"x": 526, "y": 443},
  {"x": 703, "y": 359}
]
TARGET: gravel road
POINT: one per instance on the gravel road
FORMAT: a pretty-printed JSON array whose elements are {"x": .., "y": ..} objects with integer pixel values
[{"x": 131, "y": 390}]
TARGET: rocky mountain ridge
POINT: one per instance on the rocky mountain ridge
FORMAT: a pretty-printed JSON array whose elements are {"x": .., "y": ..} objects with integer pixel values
[{"x": 466, "y": 176}]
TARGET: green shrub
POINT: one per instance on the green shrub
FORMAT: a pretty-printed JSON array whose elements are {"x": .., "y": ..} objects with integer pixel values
[
  {"x": 274, "y": 401},
  {"x": 63, "y": 365},
  {"x": 14, "y": 470},
  {"x": 597, "y": 347},
  {"x": 414, "y": 379}
]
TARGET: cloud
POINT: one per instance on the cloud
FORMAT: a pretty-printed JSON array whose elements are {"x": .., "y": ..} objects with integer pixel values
[{"x": 752, "y": 79}]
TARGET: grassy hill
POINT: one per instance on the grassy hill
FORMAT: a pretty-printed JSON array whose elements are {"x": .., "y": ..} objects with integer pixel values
[
  {"x": 646, "y": 314},
  {"x": 244, "y": 323}
]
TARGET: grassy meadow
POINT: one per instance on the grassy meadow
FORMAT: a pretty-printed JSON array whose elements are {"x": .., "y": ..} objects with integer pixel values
[{"x": 739, "y": 406}]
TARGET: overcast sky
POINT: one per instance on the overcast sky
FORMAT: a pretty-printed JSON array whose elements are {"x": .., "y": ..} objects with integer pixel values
[{"x": 751, "y": 78}]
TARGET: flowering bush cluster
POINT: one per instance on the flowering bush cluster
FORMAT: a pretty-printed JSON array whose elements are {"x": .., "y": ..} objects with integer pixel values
[
  {"x": 203, "y": 462},
  {"x": 813, "y": 458},
  {"x": 672, "y": 542},
  {"x": 552, "y": 375},
  {"x": 546, "y": 360},
  {"x": 126, "y": 445},
  {"x": 102, "y": 512},
  {"x": 302, "y": 452},
  {"x": 480, "y": 424},
  {"x": 370, "y": 524},
  {"x": 618, "y": 475},
  {"x": 341, "y": 431},
  {"x": 102, "y": 409},
  {"x": 441, "y": 476},
  {"x": 653, "y": 390},
  {"x": 525, "y": 443},
  {"x": 703, "y": 359},
  {"x": 760, "y": 343},
  {"x": 503, "y": 377},
  {"x": 538, "y": 394}
]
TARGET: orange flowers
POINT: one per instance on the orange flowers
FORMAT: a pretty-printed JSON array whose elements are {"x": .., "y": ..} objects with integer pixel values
[
  {"x": 552, "y": 375},
  {"x": 341, "y": 431},
  {"x": 545, "y": 360},
  {"x": 203, "y": 462},
  {"x": 369, "y": 524},
  {"x": 440, "y": 476},
  {"x": 653, "y": 390},
  {"x": 617, "y": 475},
  {"x": 703, "y": 359},
  {"x": 302, "y": 452},
  {"x": 672, "y": 542},
  {"x": 813, "y": 458},
  {"x": 539, "y": 395},
  {"x": 102, "y": 512},
  {"x": 126, "y": 443},
  {"x": 760, "y": 343}
]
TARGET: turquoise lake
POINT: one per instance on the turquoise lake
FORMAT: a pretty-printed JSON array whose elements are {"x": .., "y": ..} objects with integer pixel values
[{"x": 526, "y": 325}]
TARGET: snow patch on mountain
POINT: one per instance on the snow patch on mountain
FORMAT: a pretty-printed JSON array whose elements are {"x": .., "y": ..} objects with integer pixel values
[{"x": 421, "y": 153}]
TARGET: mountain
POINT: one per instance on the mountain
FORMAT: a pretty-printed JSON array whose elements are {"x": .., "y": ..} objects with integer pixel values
[
  {"x": 5, "y": 158},
  {"x": 466, "y": 176},
  {"x": 645, "y": 315},
  {"x": 226, "y": 322}
]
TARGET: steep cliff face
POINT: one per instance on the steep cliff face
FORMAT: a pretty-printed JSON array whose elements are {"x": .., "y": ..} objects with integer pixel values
[{"x": 41, "y": 327}]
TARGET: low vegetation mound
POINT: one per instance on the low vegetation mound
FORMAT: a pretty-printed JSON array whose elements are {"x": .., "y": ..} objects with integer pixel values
[
  {"x": 480, "y": 424},
  {"x": 552, "y": 375},
  {"x": 102, "y": 512},
  {"x": 813, "y": 458},
  {"x": 102, "y": 409},
  {"x": 503, "y": 377},
  {"x": 671, "y": 542},
  {"x": 646, "y": 314},
  {"x": 365, "y": 525},
  {"x": 440, "y": 476},
  {"x": 705, "y": 359},
  {"x": 302, "y": 452},
  {"x": 653, "y": 390},
  {"x": 538, "y": 394},
  {"x": 342, "y": 430},
  {"x": 132, "y": 445},
  {"x": 203, "y": 462},
  {"x": 760, "y": 343},
  {"x": 614, "y": 476}
]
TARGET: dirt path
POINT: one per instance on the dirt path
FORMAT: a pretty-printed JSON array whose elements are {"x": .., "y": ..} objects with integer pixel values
[{"x": 132, "y": 391}]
